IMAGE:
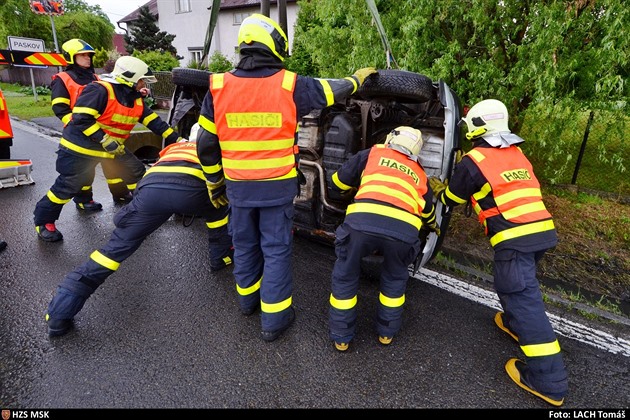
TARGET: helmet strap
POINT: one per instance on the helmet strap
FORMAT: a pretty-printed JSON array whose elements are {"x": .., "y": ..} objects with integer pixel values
[
  {"x": 476, "y": 133},
  {"x": 125, "y": 82}
]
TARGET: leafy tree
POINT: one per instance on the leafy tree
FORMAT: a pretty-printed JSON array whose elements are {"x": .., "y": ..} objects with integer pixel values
[
  {"x": 78, "y": 21},
  {"x": 556, "y": 59},
  {"x": 146, "y": 35}
]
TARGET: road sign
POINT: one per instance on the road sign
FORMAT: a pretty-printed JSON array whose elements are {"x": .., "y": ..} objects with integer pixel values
[
  {"x": 47, "y": 7},
  {"x": 26, "y": 44}
]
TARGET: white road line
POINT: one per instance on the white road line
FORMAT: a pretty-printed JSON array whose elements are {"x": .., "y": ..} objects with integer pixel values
[{"x": 562, "y": 326}]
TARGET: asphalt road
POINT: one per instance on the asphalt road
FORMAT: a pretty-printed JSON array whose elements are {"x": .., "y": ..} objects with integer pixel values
[{"x": 165, "y": 333}]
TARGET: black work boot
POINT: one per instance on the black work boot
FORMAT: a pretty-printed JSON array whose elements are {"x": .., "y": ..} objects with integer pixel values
[
  {"x": 123, "y": 199},
  {"x": 273, "y": 335},
  {"x": 58, "y": 327},
  {"x": 89, "y": 206},
  {"x": 225, "y": 261},
  {"x": 48, "y": 232}
]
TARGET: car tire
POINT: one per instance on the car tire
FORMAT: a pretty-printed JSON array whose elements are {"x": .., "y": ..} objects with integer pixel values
[
  {"x": 191, "y": 77},
  {"x": 397, "y": 84}
]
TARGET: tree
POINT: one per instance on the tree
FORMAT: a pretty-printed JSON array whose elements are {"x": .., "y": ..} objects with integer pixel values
[
  {"x": 146, "y": 35},
  {"x": 78, "y": 21},
  {"x": 547, "y": 60}
]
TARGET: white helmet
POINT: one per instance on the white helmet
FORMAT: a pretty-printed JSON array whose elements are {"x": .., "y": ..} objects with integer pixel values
[
  {"x": 128, "y": 70},
  {"x": 486, "y": 118},
  {"x": 406, "y": 138}
]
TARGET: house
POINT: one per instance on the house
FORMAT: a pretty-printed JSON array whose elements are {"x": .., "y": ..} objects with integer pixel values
[
  {"x": 188, "y": 20},
  {"x": 119, "y": 43},
  {"x": 133, "y": 16}
]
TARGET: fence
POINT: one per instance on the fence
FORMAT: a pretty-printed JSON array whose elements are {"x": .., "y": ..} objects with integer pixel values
[{"x": 588, "y": 150}]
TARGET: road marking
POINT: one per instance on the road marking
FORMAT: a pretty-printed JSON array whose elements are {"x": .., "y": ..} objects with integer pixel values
[{"x": 562, "y": 326}]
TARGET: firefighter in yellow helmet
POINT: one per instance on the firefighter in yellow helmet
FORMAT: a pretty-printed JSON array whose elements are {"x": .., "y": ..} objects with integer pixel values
[
  {"x": 500, "y": 182},
  {"x": 65, "y": 89},
  {"x": 248, "y": 149},
  {"x": 103, "y": 116},
  {"x": 393, "y": 202}
]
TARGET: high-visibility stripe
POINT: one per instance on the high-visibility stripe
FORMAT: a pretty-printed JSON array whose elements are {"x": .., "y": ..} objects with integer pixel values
[
  {"x": 343, "y": 304},
  {"x": 106, "y": 262},
  {"x": 245, "y": 291},
  {"x": 276, "y": 307},
  {"x": 391, "y": 302}
]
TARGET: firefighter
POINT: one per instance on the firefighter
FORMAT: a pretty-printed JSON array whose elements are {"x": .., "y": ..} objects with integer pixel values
[
  {"x": 175, "y": 184},
  {"x": 6, "y": 131},
  {"x": 393, "y": 202},
  {"x": 66, "y": 87},
  {"x": 105, "y": 113},
  {"x": 505, "y": 194},
  {"x": 248, "y": 149}
]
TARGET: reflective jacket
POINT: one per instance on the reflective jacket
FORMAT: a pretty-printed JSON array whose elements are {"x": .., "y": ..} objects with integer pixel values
[
  {"x": 109, "y": 108},
  {"x": 74, "y": 83},
  {"x": 506, "y": 196},
  {"x": 256, "y": 123},
  {"x": 178, "y": 164},
  {"x": 393, "y": 196}
]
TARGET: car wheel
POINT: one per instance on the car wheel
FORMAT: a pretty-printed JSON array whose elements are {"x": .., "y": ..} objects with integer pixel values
[
  {"x": 397, "y": 84},
  {"x": 190, "y": 77}
]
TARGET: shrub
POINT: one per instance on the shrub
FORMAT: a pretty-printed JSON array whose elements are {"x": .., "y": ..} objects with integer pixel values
[{"x": 157, "y": 61}]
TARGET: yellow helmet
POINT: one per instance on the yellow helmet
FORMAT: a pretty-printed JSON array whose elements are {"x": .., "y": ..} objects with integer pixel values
[
  {"x": 485, "y": 118},
  {"x": 258, "y": 31},
  {"x": 75, "y": 46},
  {"x": 128, "y": 70},
  {"x": 407, "y": 138}
]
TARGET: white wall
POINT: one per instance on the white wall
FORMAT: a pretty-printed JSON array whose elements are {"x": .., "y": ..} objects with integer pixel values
[{"x": 190, "y": 28}]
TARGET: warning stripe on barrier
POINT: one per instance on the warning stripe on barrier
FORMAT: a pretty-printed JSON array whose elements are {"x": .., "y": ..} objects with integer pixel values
[
  {"x": 46, "y": 59},
  {"x": 28, "y": 58}
]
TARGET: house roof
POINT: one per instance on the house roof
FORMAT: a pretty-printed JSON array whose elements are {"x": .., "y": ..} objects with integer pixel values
[
  {"x": 133, "y": 16},
  {"x": 225, "y": 4},
  {"x": 235, "y": 4}
]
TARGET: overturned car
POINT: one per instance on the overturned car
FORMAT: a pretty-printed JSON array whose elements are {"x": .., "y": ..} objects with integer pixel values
[{"x": 326, "y": 138}]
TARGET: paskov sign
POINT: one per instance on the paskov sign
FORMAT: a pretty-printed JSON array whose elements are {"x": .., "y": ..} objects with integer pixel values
[{"x": 26, "y": 44}]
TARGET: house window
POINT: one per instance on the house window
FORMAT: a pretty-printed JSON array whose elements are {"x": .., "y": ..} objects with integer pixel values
[
  {"x": 240, "y": 17},
  {"x": 182, "y": 6},
  {"x": 195, "y": 55}
]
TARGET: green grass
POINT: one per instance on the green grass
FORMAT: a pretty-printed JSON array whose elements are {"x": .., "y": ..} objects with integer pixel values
[{"x": 24, "y": 106}]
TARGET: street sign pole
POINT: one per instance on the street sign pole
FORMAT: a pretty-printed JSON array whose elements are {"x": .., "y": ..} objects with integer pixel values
[
  {"x": 54, "y": 31},
  {"x": 33, "y": 83}
]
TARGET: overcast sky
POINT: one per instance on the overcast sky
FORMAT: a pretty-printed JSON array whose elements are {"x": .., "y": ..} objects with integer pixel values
[{"x": 117, "y": 9}]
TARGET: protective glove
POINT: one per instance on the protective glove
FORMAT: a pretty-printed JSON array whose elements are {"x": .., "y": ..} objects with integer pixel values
[
  {"x": 458, "y": 156},
  {"x": 348, "y": 193},
  {"x": 437, "y": 186},
  {"x": 364, "y": 73},
  {"x": 111, "y": 145},
  {"x": 216, "y": 191},
  {"x": 433, "y": 227}
]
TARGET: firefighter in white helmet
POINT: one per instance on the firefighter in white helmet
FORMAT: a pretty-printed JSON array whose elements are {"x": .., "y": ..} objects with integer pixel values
[
  {"x": 65, "y": 89},
  {"x": 500, "y": 182},
  {"x": 248, "y": 148},
  {"x": 393, "y": 202},
  {"x": 103, "y": 116}
]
